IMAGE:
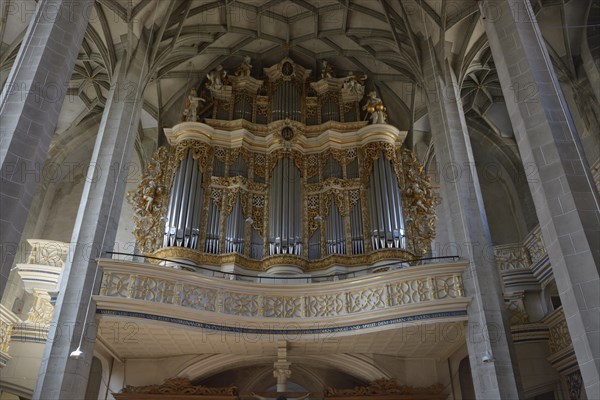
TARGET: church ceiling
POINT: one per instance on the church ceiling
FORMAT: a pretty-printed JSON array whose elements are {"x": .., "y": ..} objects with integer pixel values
[{"x": 183, "y": 40}]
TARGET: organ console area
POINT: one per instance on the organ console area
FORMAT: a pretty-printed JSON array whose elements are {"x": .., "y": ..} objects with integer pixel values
[{"x": 284, "y": 171}]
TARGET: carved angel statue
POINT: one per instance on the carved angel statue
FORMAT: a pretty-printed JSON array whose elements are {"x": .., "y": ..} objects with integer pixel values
[
  {"x": 355, "y": 84},
  {"x": 245, "y": 67},
  {"x": 280, "y": 397},
  {"x": 190, "y": 114},
  {"x": 149, "y": 193},
  {"x": 326, "y": 70},
  {"x": 216, "y": 78},
  {"x": 376, "y": 108}
]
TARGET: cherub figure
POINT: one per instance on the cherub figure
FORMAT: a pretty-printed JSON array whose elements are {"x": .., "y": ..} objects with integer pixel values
[
  {"x": 245, "y": 67},
  {"x": 216, "y": 78},
  {"x": 376, "y": 108},
  {"x": 326, "y": 70},
  {"x": 355, "y": 84},
  {"x": 190, "y": 114}
]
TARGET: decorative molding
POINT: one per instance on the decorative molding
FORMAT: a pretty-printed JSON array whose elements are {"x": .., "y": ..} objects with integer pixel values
[
  {"x": 516, "y": 308},
  {"x": 174, "y": 387},
  {"x": 575, "y": 384},
  {"x": 415, "y": 292},
  {"x": 524, "y": 265},
  {"x": 387, "y": 387},
  {"x": 530, "y": 332},
  {"x": 273, "y": 329},
  {"x": 562, "y": 355},
  {"x": 236, "y": 259}
]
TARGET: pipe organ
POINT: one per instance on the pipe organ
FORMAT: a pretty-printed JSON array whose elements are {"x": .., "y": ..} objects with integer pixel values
[{"x": 285, "y": 171}]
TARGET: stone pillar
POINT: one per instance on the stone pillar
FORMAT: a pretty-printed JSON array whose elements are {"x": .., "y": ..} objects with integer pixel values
[
  {"x": 491, "y": 353},
  {"x": 563, "y": 191},
  {"x": 282, "y": 373},
  {"x": 281, "y": 367},
  {"x": 29, "y": 107},
  {"x": 60, "y": 376}
]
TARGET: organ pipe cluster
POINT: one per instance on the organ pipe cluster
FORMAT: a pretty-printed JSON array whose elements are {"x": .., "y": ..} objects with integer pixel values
[{"x": 282, "y": 200}]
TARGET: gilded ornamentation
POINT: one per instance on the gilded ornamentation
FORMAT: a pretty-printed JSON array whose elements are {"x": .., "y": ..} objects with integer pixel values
[
  {"x": 534, "y": 244},
  {"x": 210, "y": 297},
  {"x": 151, "y": 197},
  {"x": 282, "y": 307},
  {"x": 408, "y": 292},
  {"x": 516, "y": 309},
  {"x": 152, "y": 289},
  {"x": 149, "y": 202},
  {"x": 240, "y": 304},
  {"x": 180, "y": 386},
  {"x": 115, "y": 285},
  {"x": 325, "y": 305},
  {"x": 201, "y": 258},
  {"x": 560, "y": 338},
  {"x": 5, "y": 333},
  {"x": 199, "y": 298},
  {"x": 511, "y": 257},
  {"x": 375, "y": 107},
  {"x": 385, "y": 386},
  {"x": 575, "y": 384},
  {"x": 367, "y": 300},
  {"x": 417, "y": 202}
]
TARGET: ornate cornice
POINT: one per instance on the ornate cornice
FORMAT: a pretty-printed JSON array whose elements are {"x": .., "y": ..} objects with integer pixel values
[
  {"x": 307, "y": 138},
  {"x": 218, "y": 260}
]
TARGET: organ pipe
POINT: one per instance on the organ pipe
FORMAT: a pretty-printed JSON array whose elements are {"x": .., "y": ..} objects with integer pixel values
[
  {"x": 284, "y": 209},
  {"x": 234, "y": 234},
  {"x": 356, "y": 229},
  {"x": 385, "y": 206},
  {"x": 335, "y": 241},
  {"x": 182, "y": 224}
]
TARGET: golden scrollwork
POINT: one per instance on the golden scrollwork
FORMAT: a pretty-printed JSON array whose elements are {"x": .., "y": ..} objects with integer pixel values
[
  {"x": 201, "y": 258},
  {"x": 418, "y": 203},
  {"x": 5, "y": 333},
  {"x": 560, "y": 338},
  {"x": 149, "y": 201},
  {"x": 383, "y": 387},
  {"x": 180, "y": 386}
]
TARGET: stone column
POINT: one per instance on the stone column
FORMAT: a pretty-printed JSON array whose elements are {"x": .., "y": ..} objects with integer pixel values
[
  {"x": 60, "y": 376},
  {"x": 29, "y": 107},
  {"x": 281, "y": 367},
  {"x": 489, "y": 341},
  {"x": 563, "y": 191},
  {"x": 282, "y": 373}
]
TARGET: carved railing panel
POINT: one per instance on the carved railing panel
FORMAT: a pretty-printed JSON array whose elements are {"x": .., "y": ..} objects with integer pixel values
[
  {"x": 374, "y": 293},
  {"x": 560, "y": 339}
]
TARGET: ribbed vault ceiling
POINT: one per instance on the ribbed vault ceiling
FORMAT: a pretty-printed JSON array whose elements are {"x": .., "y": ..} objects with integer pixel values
[{"x": 185, "y": 39}]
